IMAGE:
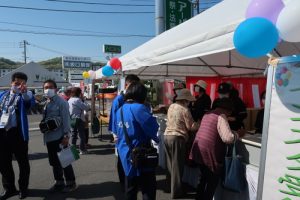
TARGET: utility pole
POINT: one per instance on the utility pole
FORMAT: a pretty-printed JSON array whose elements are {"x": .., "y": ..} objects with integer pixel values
[{"x": 23, "y": 45}]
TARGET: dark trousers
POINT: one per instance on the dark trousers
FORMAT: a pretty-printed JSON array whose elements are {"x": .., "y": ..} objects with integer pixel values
[
  {"x": 208, "y": 184},
  {"x": 146, "y": 182},
  {"x": 59, "y": 172},
  {"x": 12, "y": 143},
  {"x": 79, "y": 130},
  {"x": 175, "y": 151},
  {"x": 86, "y": 133},
  {"x": 121, "y": 172}
]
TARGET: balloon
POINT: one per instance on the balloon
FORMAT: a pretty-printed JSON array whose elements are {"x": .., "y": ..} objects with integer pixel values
[
  {"x": 115, "y": 63},
  {"x": 98, "y": 74},
  {"x": 268, "y": 9},
  {"x": 255, "y": 37},
  {"x": 92, "y": 74},
  {"x": 85, "y": 75},
  {"x": 288, "y": 22},
  {"x": 107, "y": 71}
]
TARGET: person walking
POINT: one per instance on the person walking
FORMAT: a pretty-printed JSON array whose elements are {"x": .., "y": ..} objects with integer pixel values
[
  {"x": 112, "y": 127},
  {"x": 179, "y": 124},
  {"x": 141, "y": 128},
  {"x": 57, "y": 137},
  {"x": 208, "y": 150},
  {"x": 77, "y": 106},
  {"x": 14, "y": 135}
]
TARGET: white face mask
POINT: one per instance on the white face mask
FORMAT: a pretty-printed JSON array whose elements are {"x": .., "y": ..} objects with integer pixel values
[
  {"x": 49, "y": 93},
  {"x": 15, "y": 89},
  {"x": 197, "y": 89}
]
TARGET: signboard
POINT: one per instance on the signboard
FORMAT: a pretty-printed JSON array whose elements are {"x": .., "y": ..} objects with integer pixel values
[
  {"x": 281, "y": 140},
  {"x": 75, "y": 76},
  {"x": 73, "y": 62},
  {"x": 177, "y": 11},
  {"x": 107, "y": 48}
]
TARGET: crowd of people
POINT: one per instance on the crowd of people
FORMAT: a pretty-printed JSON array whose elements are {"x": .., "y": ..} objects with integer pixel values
[{"x": 197, "y": 132}]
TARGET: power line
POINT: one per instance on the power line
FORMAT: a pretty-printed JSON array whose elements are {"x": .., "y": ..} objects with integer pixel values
[
  {"x": 77, "y": 11},
  {"x": 104, "y": 4},
  {"x": 58, "y": 33},
  {"x": 47, "y": 49},
  {"x": 86, "y": 31}
]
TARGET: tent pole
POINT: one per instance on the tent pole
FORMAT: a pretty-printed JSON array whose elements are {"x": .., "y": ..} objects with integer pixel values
[{"x": 209, "y": 66}]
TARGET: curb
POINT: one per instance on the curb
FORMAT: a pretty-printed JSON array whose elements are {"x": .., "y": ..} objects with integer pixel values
[{"x": 34, "y": 129}]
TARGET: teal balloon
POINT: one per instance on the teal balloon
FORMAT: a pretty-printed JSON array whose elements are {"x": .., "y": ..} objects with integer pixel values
[
  {"x": 255, "y": 37},
  {"x": 107, "y": 71}
]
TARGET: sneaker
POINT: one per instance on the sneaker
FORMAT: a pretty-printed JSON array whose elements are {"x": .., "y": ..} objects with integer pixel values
[
  {"x": 57, "y": 188},
  {"x": 69, "y": 188},
  {"x": 83, "y": 152}
]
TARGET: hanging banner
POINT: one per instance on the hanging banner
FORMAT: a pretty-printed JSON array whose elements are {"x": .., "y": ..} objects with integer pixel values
[
  {"x": 177, "y": 11},
  {"x": 244, "y": 85},
  {"x": 281, "y": 177}
]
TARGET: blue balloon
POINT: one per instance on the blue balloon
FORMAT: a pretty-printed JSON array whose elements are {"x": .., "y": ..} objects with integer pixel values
[
  {"x": 107, "y": 71},
  {"x": 255, "y": 37}
]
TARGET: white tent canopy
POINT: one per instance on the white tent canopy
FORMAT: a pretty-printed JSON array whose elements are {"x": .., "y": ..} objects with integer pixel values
[
  {"x": 201, "y": 46},
  {"x": 36, "y": 74}
]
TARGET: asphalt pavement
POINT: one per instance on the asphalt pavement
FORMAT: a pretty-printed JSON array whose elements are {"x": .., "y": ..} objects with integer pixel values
[{"x": 96, "y": 174}]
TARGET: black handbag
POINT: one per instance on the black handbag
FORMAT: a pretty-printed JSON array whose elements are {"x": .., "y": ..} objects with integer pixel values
[{"x": 143, "y": 156}]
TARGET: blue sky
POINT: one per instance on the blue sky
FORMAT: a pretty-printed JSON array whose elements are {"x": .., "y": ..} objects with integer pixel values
[{"x": 143, "y": 24}]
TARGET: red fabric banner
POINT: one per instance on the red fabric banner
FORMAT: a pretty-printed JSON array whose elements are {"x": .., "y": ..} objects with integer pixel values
[{"x": 249, "y": 88}]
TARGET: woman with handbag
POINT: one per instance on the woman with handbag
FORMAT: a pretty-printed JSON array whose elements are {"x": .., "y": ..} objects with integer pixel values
[
  {"x": 77, "y": 106},
  {"x": 180, "y": 124},
  {"x": 209, "y": 147},
  {"x": 136, "y": 127}
]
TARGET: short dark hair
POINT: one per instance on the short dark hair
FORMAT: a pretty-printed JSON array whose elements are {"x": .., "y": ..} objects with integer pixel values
[
  {"x": 137, "y": 92},
  {"x": 75, "y": 92},
  {"x": 225, "y": 103},
  {"x": 132, "y": 78},
  {"x": 50, "y": 81},
  {"x": 19, "y": 75}
]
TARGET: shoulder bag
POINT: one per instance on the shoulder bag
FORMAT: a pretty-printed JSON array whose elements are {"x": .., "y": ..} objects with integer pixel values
[
  {"x": 143, "y": 156},
  {"x": 234, "y": 171}
]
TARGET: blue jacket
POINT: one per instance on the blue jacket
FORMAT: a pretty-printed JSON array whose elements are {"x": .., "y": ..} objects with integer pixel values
[
  {"x": 23, "y": 106},
  {"x": 116, "y": 104},
  {"x": 141, "y": 126}
]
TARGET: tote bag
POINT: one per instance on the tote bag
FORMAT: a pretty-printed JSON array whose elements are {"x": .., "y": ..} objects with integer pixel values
[
  {"x": 234, "y": 178},
  {"x": 67, "y": 156}
]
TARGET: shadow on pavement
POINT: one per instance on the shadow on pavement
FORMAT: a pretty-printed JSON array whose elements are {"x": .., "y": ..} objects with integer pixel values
[
  {"x": 102, "y": 151},
  {"x": 110, "y": 190},
  {"x": 37, "y": 156}
]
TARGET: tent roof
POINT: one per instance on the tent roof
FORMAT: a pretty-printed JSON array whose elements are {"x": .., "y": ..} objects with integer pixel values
[
  {"x": 201, "y": 46},
  {"x": 36, "y": 74}
]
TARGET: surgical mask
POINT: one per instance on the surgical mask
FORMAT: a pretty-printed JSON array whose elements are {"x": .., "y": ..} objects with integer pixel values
[
  {"x": 49, "y": 93},
  {"x": 223, "y": 96},
  {"x": 15, "y": 89},
  {"x": 197, "y": 89}
]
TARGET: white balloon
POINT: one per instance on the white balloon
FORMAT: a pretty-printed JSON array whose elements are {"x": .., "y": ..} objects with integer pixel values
[
  {"x": 288, "y": 23},
  {"x": 99, "y": 74}
]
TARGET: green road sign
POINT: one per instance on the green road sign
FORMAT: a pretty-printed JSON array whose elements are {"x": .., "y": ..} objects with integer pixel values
[
  {"x": 111, "y": 48},
  {"x": 177, "y": 11}
]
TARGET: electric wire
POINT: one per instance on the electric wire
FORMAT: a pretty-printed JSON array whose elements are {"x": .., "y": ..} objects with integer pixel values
[
  {"x": 77, "y": 11},
  {"x": 104, "y": 4},
  {"x": 77, "y": 30}
]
